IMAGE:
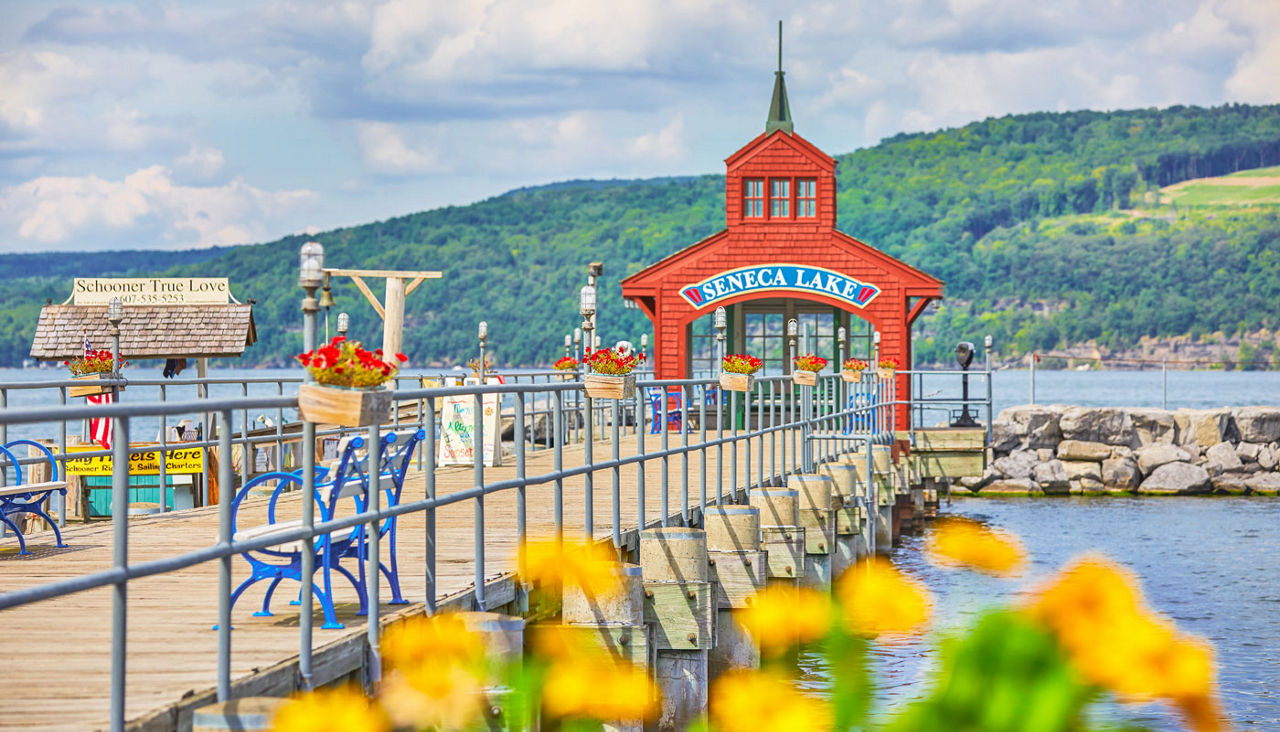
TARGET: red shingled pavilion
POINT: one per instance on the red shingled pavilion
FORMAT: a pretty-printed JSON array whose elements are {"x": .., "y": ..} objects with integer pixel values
[{"x": 780, "y": 257}]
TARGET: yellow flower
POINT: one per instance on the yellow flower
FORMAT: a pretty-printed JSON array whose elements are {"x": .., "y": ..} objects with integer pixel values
[
  {"x": 1115, "y": 641},
  {"x": 877, "y": 599},
  {"x": 589, "y": 565},
  {"x": 781, "y": 616},
  {"x": 958, "y": 542},
  {"x": 442, "y": 696},
  {"x": 344, "y": 709},
  {"x": 600, "y": 689},
  {"x": 438, "y": 640},
  {"x": 759, "y": 700}
]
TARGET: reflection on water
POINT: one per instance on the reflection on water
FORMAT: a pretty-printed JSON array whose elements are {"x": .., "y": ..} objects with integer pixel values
[{"x": 1208, "y": 563}]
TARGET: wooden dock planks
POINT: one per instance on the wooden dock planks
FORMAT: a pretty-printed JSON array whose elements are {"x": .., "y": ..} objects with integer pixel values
[{"x": 60, "y": 649}]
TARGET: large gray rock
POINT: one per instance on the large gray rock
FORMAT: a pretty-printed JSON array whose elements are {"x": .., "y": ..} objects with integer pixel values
[
  {"x": 1268, "y": 483},
  {"x": 1248, "y": 451},
  {"x": 1086, "y": 485},
  {"x": 1153, "y": 456},
  {"x": 1033, "y": 426},
  {"x": 1230, "y": 484},
  {"x": 1077, "y": 469},
  {"x": 1098, "y": 424},
  {"x": 1082, "y": 450},
  {"x": 1204, "y": 427},
  {"x": 1050, "y": 473},
  {"x": 1222, "y": 458},
  {"x": 1153, "y": 425},
  {"x": 1257, "y": 424},
  {"x": 1015, "y": 487},
  {"x": 1180, "y": 478},
  {"x": 1121, "y": 474},
  {"x": 1267, "y": 457},
  {"x": 973, "y": 482},
  {"x": 1017, "y": 465}
]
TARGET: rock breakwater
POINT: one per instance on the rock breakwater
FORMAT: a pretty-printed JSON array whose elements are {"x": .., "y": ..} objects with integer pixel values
[{"x": 1068, "y": 450}]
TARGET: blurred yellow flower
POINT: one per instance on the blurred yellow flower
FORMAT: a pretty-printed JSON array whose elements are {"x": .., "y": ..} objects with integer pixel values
[
  {"x": 589, "y": 565},
  {"x": 759, "y": 700},
  {"x": 1115, "y": 641},
  {"x": 599, "y": 688},
  {"x": 781, "y": 616},
  {"x": 876, "y": 599},
  {"x": 441, "y": 696},
  {"x": 436, "y": 640},
  {"x": 344, "y": 709},
  {"x": 958, "y": 542}
]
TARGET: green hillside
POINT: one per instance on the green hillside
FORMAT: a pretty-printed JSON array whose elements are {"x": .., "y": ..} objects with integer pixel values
[{"x": 1017, "y": 209}]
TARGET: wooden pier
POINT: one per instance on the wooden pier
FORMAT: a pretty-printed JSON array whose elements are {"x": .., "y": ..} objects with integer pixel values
[{"x": 60, "y": 648}]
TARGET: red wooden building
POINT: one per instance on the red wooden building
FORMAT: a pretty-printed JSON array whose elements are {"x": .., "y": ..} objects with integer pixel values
[{"x": 779, "y": 257}]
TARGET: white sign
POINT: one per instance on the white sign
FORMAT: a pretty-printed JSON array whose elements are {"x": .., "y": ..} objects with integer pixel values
[
  {"x": 457, "y": 430},
  {"x": 782, "y": 277},
  {"x": 152, "y": 290}
]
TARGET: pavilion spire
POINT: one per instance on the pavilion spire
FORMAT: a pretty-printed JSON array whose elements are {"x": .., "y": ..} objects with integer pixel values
[{"x": 779, "y": 109}]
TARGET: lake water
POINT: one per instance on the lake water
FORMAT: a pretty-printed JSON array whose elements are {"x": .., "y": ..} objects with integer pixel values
[{"x": 1207, "y": 563}]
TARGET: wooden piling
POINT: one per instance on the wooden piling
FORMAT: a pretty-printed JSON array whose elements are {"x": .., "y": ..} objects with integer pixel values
[
  {"x": 248, "y": 713},
  {"x": 679, "y": 606},
  {"x": 503, "y": 639},
  {"x": 737, "y": 569},
  {"x": 818, "y": 522},
  {"x": 780, "y": 532}
]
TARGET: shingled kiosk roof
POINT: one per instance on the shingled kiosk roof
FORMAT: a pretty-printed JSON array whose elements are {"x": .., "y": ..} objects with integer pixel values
[{"x": 147, "y": 331}]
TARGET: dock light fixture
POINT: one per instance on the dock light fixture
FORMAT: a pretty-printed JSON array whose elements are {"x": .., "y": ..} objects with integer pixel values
[
  {"x": 568, "y": 345},
  {"x": 311, "y": 269},
  {"x": 587, "y": 307},
  {"x": 987, "y": 342},
  {"x": 841, "y": 343},
  {"x": 793, "y": 328},
  {"x": 344, "y": 323},
  {"x": 115, "y": 314},
  {"x": 483, "y": 330},
  {"x": 720, "y": 321}
]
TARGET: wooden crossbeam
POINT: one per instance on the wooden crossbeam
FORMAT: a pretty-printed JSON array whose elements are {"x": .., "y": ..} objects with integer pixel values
[{"x": 367, "y": 294}]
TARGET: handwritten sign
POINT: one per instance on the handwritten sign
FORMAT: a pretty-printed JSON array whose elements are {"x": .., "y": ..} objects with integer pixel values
[
  {"x": 182, "y": 460},
  {"x": 151, "y": 290},
  {"x": 784, "y": 277},
  {"x": 457, "y": 430}
]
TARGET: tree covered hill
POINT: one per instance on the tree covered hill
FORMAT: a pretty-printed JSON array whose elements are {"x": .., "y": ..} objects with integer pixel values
[{"x": 1008, "y": 212}]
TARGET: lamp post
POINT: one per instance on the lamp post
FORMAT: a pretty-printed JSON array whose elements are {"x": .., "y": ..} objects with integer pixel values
[
  {"x": 793, "y": 329},
  {"x": 587, "y": 308},
  {"x": 841, "y": 335},
  {"x": 483, "y": 333},
  {"x": 721, "y": 321},
  {"x": 310, "y": 275},
  {"x": 577, "y": 343},
  {"x": 344, "y": 323},
  {"x": 115, "y": 314}
]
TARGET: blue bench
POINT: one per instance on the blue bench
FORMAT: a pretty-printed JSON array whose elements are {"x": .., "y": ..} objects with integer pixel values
[{"x": 29, "y": 498}]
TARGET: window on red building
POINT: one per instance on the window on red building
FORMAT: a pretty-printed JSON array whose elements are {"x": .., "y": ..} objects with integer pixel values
[
  {"x": 753, "y": 198},
  {"x": 806, "y": 197},
  {"x": 780, "y": 198}
]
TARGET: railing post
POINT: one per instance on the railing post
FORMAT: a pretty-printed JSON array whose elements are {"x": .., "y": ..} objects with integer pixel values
[
  {"x": 120, "y": 561},
  {"x": 557, "y": 464},
  {"x": 589, "y": 507},
  {"x": 373, "y": 554},
  {"x": 521, "y": 490},
  {"x": 477, "y": 452},
  {"x": 640, "y": 430},
  {"x": 226, "y": 494},
  {"x": 429, "y": 479},
  {"x": 616, "y": 518}
]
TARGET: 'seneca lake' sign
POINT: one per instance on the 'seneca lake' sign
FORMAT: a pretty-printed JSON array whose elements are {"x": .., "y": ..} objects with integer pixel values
[
  {"x": 789, "y": 277},
  {"x": 152, "y": 290}
]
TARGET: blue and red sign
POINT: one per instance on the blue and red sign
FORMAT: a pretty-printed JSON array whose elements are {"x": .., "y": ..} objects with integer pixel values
[{"x": 784, "y": 277}]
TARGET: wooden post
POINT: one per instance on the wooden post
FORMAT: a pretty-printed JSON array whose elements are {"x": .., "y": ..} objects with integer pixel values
[
  {"x": 818, "y": 521},
  {"x": 847, "y": 482},
  {"x": 678, "y": 604},
  {"x": 503, "y": 640},
  {"x": 780, "y": 532},
  {"x": 393, "y": 322},
  {"x": 737, "y": 567}
]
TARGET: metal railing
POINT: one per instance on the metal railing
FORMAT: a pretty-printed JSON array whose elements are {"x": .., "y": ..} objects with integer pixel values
[{"x": 715, "y": 428}]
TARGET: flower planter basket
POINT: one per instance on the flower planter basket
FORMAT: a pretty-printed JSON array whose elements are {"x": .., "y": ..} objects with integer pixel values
[
  {"x": 737, "y": 382},
  {"x": 345, "y": 407},
  {"x": 852, "y": 377},
  {"x": 884, "y": 373},
  {"x": 608, "y": 386},
  {"x": 92, "y": 385},
  {"x": 804, "y": 378}
]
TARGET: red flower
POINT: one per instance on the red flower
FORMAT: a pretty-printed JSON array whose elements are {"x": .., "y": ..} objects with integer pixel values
[{"x": 401, "y": 357}]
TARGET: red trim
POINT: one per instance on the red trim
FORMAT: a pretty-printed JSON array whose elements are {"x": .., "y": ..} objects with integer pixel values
[{"x": 918, "y": 308}]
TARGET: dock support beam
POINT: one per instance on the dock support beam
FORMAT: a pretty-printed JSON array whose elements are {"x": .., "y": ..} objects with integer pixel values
[
  {"x": 737, "y": 567},
  {"x": 679, "y": 604}
]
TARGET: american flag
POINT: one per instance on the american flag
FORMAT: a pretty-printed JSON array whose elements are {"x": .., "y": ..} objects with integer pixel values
[{"x": 99, "y": 429}]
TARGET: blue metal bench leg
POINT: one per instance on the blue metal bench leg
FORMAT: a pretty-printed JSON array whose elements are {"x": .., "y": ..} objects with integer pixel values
[
  {"x": 393, "y": 575},
  {"x": 22, "y": 543},
  {"x": 326, "y": 599},
  {"x": 37, "y": 510},
  {"x": 265, "y": 612}
]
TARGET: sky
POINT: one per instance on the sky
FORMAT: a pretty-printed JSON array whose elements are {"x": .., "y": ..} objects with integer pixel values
[{"x": 166, "y": 125}]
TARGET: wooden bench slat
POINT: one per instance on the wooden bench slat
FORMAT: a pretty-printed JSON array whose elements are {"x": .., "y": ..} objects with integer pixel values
[{"x": 16, "y": 490}]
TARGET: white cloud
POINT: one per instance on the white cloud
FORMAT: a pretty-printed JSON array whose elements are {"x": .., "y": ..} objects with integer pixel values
[
  {"x": 384, "y": 150},
  {"x": 55, "y": 210},
  {"x": 201, "y": 161}
]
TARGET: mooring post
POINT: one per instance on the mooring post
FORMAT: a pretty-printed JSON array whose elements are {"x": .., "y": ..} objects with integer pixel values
[
  {"x": 819, "y": 524},
  {"x": 679, "y": 605},
  {"x": 503, "y": 639},
  {"x": 737, "y": 567},
  {"x": 846, "y": 506},
  {"x": 780, "y": 532}
]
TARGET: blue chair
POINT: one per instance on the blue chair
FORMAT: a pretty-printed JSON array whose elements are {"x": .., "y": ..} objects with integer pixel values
[
  {"x": 284, "y": 561},
  {"x": 19, "y": 498},
  {"x": 675, "y": 401},
  {"x": 394, "y": 466}
]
